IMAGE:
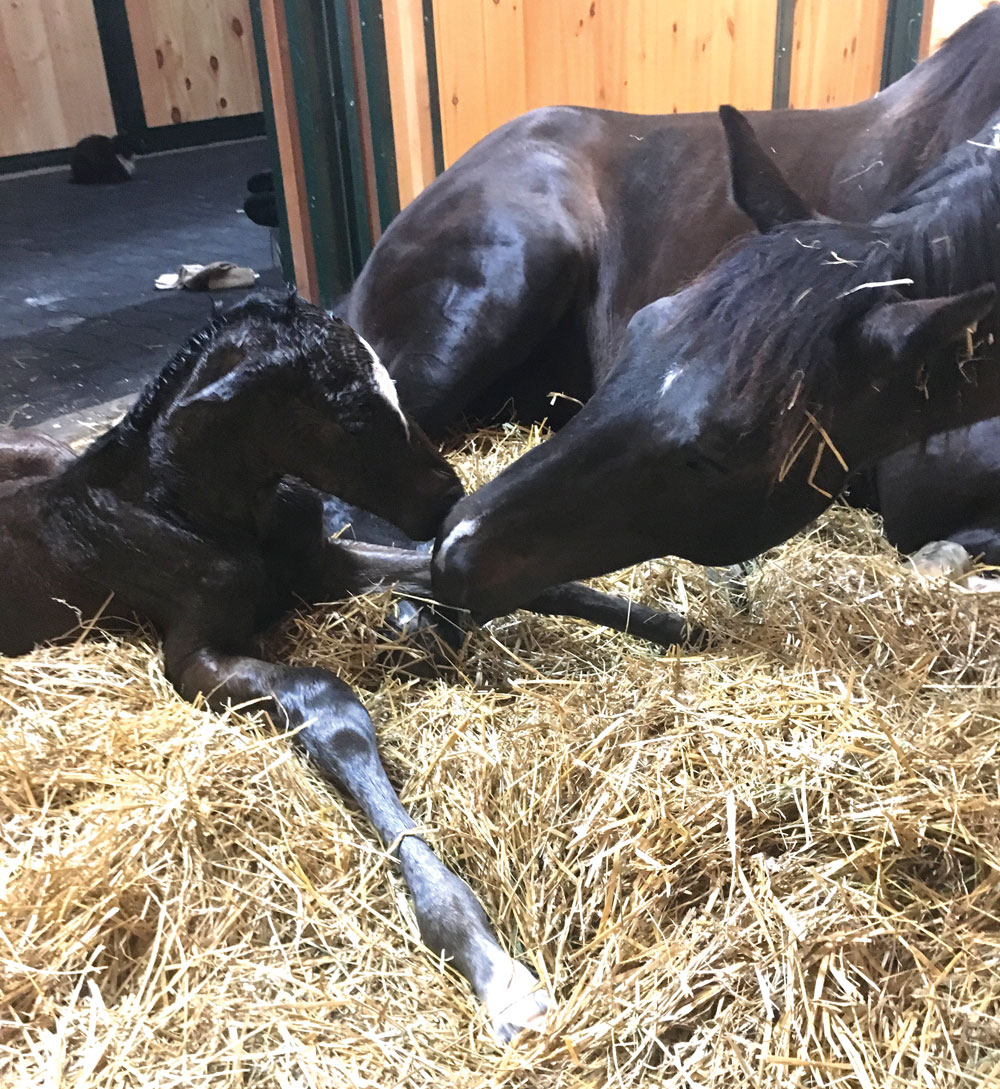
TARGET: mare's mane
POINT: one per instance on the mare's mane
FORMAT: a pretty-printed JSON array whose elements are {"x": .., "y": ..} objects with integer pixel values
[
  {"x": 948, "y": 218},
  {"x": 777, "y": 304},
  {"x": 962, "y": 74}
]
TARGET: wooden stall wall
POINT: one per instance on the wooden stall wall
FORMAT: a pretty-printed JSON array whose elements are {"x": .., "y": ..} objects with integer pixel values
[
  {"x": 195, "y": 59},
  {"x": 498, "y": 58},
  {"x": 409, "y": 92},
  {"x": 836, "y": 52},
  {"x": 53, "y": 90},
  {"x": 945, "y": 16}
]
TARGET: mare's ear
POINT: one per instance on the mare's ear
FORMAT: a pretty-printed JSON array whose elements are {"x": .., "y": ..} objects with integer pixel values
[
  {"x": 759, "y": 187},
  {"x": 910, "y": 329}
]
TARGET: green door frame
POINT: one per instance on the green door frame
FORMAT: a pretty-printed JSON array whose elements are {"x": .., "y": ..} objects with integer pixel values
[
  {"x": 903, "y": 23},
  {"x": 341, "y": 85}
]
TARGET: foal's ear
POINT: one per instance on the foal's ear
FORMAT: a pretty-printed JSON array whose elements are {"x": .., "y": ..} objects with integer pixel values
[
  {"x": 906, "y": 330},
  {"x": 759, "y": 187}
]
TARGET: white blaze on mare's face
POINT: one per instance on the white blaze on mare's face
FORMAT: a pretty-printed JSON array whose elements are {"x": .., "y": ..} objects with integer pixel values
[
  {"x": 465, "y": 528},
  {"x": 384, "y": 382}
]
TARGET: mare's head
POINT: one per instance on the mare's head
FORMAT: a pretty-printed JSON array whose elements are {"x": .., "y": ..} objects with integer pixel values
[
  {"x": 278, "y": 387},
  {"x": 735, "y": 412}
]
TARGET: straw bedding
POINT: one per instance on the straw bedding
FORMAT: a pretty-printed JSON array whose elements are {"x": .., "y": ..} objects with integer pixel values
[{"x": 772, "y": 863}]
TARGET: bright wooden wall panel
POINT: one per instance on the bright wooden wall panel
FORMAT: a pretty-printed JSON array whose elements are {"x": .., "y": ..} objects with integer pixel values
[
  {"x": 688, "y": 55},
  {"x": 195, "y": 59},
  {"x": 497, "y": 58},
  {"x": 53, "y": 90},
  {"x": 409, "y": 95},
  {"x": 480, "y": 53},
  {"x": 836, "y": 52},
  {"x": 948, "y": 15}
]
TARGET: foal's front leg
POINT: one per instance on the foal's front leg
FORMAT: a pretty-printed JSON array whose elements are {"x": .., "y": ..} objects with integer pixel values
[
  {"x": 354, "y": 567},
  {"x": 336, "y": 732}
]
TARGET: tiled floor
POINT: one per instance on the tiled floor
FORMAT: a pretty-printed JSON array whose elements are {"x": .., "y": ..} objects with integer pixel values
[{"x": 80, "y": 321}]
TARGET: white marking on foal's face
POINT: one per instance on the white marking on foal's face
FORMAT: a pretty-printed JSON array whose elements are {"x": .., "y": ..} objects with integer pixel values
[
  {"x": 465, "y": 528},
  {"x": 127, "y": 164},
  {"x": 669, "y": 379},
  {"x": 384, "y": 382}
]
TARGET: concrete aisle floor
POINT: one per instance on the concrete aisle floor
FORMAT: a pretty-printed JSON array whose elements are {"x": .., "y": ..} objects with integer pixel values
[{"x": 81, "y": 324}]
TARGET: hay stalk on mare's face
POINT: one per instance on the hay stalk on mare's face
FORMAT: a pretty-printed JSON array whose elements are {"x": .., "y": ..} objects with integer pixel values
[
  {"x": 739, "y": 407},
  {"x": 192, "y": 513},
  {"x": 516, "y": 272}
]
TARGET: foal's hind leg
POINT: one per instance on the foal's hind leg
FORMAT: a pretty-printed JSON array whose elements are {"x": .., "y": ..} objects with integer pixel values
[{"x": 337, "y": 733}]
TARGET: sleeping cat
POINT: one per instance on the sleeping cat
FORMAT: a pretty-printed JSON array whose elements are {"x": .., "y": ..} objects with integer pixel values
[{"x": 102, "y": 159}]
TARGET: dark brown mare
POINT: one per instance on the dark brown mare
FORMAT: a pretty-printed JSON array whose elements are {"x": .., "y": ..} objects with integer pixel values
[
  {"x": 516, "y": 272},
  {"x": 192, "y": 513},
  {"x": 738, "y": 408}
]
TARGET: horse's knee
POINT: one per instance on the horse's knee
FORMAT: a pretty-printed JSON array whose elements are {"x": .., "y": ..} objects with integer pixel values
[{"x": 32, "y": 454}]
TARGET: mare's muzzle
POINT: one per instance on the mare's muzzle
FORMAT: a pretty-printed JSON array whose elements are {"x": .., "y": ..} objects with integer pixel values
[{"x": 470, "y": 573}]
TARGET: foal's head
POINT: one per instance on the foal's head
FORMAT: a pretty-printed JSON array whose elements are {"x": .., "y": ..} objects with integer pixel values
[
  {"x": 735, "y": 411},
  {"x": 278, "y": 387}
]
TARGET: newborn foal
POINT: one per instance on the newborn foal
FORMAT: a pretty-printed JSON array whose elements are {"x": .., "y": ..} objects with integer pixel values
[{"x": 192, "y": 513}]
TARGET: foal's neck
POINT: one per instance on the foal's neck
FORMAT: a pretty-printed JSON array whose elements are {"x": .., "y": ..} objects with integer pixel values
[{"x": 201, "y": 477}]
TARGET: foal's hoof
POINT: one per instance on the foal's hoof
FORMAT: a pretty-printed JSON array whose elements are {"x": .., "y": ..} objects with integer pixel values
[
  {"x": 941, "y": 559},
  {"x": 732, "y": 581},
  {"x": 982, "y": 585},
  {"x": 517, "y": 1005},
  {"x": 425, "y": 639}
]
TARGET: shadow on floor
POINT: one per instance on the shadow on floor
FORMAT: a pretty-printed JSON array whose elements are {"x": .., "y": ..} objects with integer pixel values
[{"x": 80, "y": 321}]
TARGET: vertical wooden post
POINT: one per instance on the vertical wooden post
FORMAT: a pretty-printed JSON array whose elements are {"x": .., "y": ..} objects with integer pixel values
[
  {"x": 409, "y": 90},
  {"x": 286, "y": 126},
  {"x": 925, "y": 30}
]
